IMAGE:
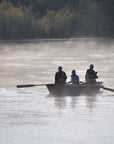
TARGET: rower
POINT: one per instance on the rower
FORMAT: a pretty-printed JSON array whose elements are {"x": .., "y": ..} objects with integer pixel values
[
  {"x": 60, "y": 76},
  {"x": 91, "y": 75},
  {"x": 74, "y": 77}
]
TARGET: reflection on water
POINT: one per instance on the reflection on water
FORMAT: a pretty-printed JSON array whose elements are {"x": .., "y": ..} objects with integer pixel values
[{"x": 31, "y": 115}]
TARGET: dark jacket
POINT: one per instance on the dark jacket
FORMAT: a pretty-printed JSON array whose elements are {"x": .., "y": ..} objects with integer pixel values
[
  {"x": 60, "y": 77},
  {"x": 91, "y": 76}
]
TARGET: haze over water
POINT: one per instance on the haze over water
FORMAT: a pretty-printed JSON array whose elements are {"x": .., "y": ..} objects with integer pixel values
[{"x": 32, "y": 116}]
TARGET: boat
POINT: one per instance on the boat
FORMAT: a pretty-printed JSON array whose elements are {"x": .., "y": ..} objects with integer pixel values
[{"x": 74, "y": 90}]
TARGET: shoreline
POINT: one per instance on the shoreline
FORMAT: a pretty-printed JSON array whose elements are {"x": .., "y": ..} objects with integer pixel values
[{"x": 56, "y": 39}]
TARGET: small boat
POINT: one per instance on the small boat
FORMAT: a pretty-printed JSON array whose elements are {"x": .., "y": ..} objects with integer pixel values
[{"x": 74, "y": 90}]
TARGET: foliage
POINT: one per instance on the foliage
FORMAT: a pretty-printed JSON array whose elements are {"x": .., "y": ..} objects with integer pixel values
[
  {"x": 56, "y": 18},
  {"x": 14, "y": 21},
  {"x": 56, "y": 24}
]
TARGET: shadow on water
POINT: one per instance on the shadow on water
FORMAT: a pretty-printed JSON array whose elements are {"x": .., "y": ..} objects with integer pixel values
[{"x": 62, "y": 102}]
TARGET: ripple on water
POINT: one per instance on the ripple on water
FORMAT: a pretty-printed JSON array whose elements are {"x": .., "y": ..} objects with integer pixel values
[{"x": 31, "y": 116}]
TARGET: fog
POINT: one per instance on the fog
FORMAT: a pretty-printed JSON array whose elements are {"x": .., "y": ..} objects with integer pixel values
[{"x": 27, "y": 59}]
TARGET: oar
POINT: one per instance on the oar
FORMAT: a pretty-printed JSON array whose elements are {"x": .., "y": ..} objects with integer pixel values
[
  {"x": 109, "y": 89},
  {"x": 29, "y": 85}
]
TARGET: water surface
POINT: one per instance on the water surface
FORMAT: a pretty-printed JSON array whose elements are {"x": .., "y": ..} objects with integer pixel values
[{"x": 32, "y": 116}]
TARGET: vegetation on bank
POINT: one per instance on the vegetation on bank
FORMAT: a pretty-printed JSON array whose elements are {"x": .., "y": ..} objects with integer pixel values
[{"x": 20, "y": 19}]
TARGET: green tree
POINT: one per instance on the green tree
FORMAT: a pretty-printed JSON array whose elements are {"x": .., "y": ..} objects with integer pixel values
[
  {"x": 56, "y": 24},
  {"x": 15, "y": 21}
]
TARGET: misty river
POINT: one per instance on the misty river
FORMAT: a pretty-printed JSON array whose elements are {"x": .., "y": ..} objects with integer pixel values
[{"x": 32, "y": 116}]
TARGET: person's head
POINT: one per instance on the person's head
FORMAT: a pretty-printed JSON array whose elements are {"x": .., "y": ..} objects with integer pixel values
[
  {"x": 59, "y": 68},
  {"x": 91, "y": 66},
  {"x": 73, "y": 72}
]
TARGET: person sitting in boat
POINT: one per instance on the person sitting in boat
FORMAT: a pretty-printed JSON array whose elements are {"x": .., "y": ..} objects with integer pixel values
[
  {"x": 60, "y": 76},
  {"x": 74, "y": 77},
  {"x": 91, "y": 75}
]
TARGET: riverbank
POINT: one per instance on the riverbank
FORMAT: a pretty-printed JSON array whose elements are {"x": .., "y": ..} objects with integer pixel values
[{"x": 57, "y": 39}]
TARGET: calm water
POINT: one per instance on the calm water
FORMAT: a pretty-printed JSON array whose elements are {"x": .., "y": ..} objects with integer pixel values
[{"x": 32, "y": 116}]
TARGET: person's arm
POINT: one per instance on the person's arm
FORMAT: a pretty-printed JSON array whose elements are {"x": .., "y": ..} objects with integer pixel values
[
  {"x": 88, "y": 75},
  {"x": 96, "y": 75},
  {"x": 78, "y": 79},
  {"x": 71, "y": 79},
  {"x": 56, "y": 80},
  {"x": 65, "y": 76}
]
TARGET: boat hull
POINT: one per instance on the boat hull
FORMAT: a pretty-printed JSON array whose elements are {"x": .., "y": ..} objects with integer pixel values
[{"x": 74, "y": 90}]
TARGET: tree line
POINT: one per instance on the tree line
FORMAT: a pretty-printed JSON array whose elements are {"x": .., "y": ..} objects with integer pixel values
[{"x": 20, "y": 19}]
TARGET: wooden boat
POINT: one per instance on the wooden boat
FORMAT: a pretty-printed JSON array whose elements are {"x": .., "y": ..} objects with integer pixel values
[{"x": 74, "y": 90}]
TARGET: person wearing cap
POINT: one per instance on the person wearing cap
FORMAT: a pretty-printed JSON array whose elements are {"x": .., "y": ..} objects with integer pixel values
[
  {"x": 74, "y": 77},
  {"x": 91, "y": 75},
  {"x": 60, "y": 76}
]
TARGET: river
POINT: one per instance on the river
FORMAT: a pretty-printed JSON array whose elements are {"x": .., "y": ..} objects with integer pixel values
[{"x": 32, "y": 116}]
